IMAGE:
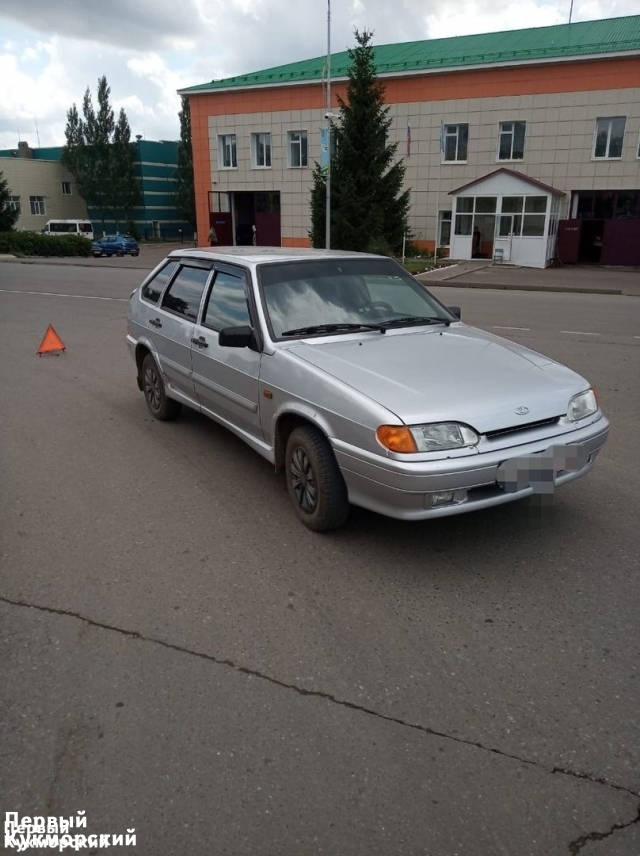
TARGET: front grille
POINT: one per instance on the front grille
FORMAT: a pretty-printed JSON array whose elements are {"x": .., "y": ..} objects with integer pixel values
[{"x": 517, "y": 429}]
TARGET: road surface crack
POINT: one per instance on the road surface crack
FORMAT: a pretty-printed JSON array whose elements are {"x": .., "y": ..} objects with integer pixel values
[
  {"x": 254, "y": 673},
  {"x": 579, "y": 843}
]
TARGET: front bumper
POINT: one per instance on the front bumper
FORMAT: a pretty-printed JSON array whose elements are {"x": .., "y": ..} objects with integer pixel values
[{"x": 405, "y": 490}]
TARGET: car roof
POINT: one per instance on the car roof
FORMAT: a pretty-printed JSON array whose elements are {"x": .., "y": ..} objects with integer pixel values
[{"x": 252, "y": 256}]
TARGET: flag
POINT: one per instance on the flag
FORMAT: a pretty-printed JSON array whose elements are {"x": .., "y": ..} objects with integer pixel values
[
  {"x": 408, "y": 140},
  {"x": 324, "y": 150}
]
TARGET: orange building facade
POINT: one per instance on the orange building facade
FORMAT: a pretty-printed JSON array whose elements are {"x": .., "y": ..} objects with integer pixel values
[{"x": 571, "y": 123}]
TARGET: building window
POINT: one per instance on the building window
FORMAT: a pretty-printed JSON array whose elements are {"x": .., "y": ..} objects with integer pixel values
[
  {"x": 609, "y": 134},
  {"x": 511, "y": 146},
  {"x": 261, "y": 150},
  {"x": 444, "y": 228},
  {"x": 227, "y": 154},
  {"x": 14, "y": 204},
  {"x": 523, "y": 216},
  {"x": 66, "y": 188},
  {"x": 456, "y": 138},
  {"x": 464, "y": 215},
  {"x": 298, "y": 149},
  {"x": 37, "y": 204}
]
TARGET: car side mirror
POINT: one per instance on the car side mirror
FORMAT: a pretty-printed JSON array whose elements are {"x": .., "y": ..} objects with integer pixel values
[
  {"x": 455, "y": 310},
  {"x": 236, "y": 337}
]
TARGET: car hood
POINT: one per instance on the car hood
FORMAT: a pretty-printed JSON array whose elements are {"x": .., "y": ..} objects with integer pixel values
[{"x": 439, "y": 374}]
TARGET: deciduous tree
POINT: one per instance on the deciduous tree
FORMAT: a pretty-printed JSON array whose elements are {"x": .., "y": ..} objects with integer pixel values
[
  {"x": 185, "y": 193},
  {"x": 100, "y": 156},
  {"x": 8, "y": 215}
]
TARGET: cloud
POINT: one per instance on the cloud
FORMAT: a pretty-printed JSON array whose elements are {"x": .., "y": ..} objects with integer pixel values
[
  {"x": 120, "y": 22},
  {"x": 50, "y": 52}
]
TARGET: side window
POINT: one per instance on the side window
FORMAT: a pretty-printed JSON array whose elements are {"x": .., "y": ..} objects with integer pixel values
[
  {"x": 185, "y": 292},
  {"x": 227, "y": 304},
  {"x": 154, "y": 288}
]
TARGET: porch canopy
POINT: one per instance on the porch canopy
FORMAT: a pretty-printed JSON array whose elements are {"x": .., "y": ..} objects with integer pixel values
[{"x": 506, "y": 216}]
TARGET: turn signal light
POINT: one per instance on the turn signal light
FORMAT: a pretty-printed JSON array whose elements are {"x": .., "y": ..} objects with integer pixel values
[{"x": 396, "y": 438}]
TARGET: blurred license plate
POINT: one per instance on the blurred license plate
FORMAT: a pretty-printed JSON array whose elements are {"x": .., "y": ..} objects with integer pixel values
[{"x": 539, "y": 471}]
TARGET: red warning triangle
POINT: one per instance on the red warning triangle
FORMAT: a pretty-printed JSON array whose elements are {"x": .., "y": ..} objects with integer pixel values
[{"x": 51, "y": 342}]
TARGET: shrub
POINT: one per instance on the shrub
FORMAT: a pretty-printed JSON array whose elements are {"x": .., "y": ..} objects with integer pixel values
[
  {"x": 133, "y": 230},
  {"x": 36, "y": 244},
  {"x": 378, "y": 244}
]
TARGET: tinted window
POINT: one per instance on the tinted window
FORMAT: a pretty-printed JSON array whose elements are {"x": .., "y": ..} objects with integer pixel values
[
  {"x": 185, "y": 292},
  {"x": 227, "y": 303},
  {"x": 156, "y": 286}
]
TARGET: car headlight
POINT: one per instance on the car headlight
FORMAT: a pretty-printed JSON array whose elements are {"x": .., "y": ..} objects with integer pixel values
[
  {"x": 435, "y": 437},
  {"x": 581, "y": 405}
]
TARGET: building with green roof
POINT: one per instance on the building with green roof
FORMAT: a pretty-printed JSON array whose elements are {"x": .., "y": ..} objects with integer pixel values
[
  {"x": 547, "y": 107},
  {"x": 42, "y": 189}
]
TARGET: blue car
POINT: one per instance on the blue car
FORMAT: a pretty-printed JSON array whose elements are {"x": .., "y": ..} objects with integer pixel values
[{"x": 118, "y": 245}]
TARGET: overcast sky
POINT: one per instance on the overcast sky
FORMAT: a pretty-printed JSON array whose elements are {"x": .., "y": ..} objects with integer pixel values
[{"x": 51, "y": 50}]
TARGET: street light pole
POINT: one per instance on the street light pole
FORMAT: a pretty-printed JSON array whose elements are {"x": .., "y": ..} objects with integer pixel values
[{"x": 328, "y": 117}]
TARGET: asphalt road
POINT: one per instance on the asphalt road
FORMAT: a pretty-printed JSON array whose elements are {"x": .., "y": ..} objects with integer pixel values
[{"x": 180, "y": 656}]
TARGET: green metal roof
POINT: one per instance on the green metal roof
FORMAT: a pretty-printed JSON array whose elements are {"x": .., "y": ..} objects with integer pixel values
[{"x": 585, "y": 38}]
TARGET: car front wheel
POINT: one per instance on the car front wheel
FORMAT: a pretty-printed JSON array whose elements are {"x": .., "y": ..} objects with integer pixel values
[
  {"x": 314, "y": 480},
  {"x": 160, "y": 406}
]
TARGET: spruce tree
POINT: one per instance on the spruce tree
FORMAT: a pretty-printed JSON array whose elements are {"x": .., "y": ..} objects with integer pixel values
[
  {"x": 8, "y": 216},
  {"x": 369, "y": 208},
  {"x": 185, "y": 192}
]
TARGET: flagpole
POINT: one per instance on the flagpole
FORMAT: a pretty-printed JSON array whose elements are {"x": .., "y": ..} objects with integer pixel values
[
  {"x": 328, "y": 116},
  {"x": 440, "y": 150}
]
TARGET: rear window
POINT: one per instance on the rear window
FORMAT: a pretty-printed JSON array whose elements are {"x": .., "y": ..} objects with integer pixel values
[
  {"x": 154, "y": 288},
  {"x": 185, "y": 292}
]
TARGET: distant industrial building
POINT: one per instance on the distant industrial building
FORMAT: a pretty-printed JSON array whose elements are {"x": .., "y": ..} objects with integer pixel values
[{"x": 42, "y": 189}]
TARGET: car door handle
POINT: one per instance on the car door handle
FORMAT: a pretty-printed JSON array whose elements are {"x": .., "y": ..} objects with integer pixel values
[
  {"x": 155, "y": 322},
  {"x": 200, "y": 342}
]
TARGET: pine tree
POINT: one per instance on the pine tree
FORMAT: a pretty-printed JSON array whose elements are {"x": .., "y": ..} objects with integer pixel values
[
  {"x": 8, "y": 216},
  {"x": 185, "y": 197},
  {"x": 369, "y": 208}
]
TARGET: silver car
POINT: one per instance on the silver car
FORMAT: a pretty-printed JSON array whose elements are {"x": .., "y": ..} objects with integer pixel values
[{"x": 343, "y": 370}]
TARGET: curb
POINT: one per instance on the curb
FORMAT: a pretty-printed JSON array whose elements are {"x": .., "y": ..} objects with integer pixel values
[
  {"x": 567, "y": 289},
  {"x": 61, "y": 260}
]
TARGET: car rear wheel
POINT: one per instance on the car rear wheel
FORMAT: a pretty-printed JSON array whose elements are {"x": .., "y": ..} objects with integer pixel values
[
  {"x": 160, "y": 406},
  {"x": 135, "y": 254},
  {"x": 314, "y": 480}
]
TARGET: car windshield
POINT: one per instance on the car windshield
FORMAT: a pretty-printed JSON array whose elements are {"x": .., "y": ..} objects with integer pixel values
[{"x": 332, "y": 293}]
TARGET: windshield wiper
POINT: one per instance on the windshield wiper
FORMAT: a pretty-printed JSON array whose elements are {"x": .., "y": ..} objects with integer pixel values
[
  {"x": 333, "y": 328},
  {"x": 408, "y": 320}
]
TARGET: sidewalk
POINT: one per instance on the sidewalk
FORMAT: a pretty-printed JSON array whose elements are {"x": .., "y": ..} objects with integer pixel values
[
  {"x": 570, "y": 278},
  {"x": 476, "y": 273}
]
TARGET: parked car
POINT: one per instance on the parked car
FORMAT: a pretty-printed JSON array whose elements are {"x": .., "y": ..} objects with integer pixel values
[
  {"x": 346, "y": 372},
  {"x": 119, "y": 245}
]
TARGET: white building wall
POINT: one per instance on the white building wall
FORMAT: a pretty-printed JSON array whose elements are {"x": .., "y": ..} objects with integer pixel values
[{"x": 558, "y": 149}]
